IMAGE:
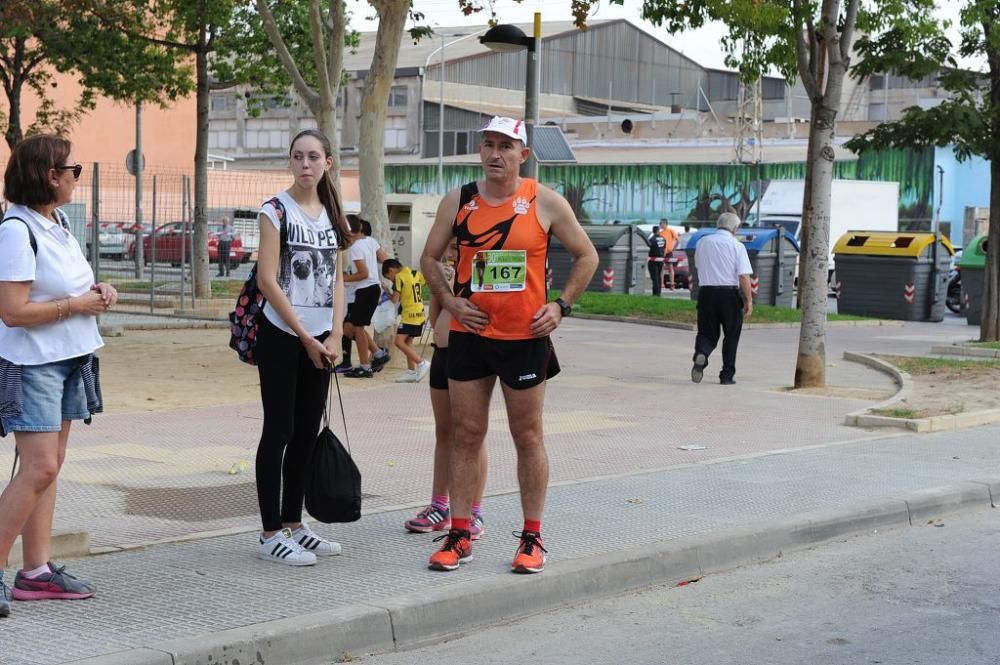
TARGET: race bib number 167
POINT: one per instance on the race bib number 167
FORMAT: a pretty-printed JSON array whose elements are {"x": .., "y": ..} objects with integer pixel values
[{"x": 499, "y": 270}]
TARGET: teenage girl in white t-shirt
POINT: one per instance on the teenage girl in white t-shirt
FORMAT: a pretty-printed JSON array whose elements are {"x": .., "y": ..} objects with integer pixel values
[
  {"x": 49, "y": 306},
  {"x": 298, "y": 341}
]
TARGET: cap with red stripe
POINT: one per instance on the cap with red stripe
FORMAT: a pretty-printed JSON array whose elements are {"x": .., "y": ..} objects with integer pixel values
[{"x": 508, "y": 127}]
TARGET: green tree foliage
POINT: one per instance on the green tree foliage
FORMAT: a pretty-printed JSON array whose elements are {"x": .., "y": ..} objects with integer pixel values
[
  {"x": 968, "y": 120},
  {"x": 41, "y": 38},
  {"x": 189, "y": 30}
]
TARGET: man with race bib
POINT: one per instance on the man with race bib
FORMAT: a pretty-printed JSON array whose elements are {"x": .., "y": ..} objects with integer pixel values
[{"x": 501, "y": 322}]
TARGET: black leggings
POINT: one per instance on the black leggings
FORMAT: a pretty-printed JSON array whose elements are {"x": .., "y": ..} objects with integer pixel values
[{"x": 293, "y": 392}]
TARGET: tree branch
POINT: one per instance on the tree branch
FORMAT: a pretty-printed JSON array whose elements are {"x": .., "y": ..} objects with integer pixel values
[
  {"x": 335, "y": 62},
  {"x": 847, "y": 37},
  {"x": 319, "y": 52},
  {"x": 805, "y": 54},
  {"x": 308, "y": 95}
]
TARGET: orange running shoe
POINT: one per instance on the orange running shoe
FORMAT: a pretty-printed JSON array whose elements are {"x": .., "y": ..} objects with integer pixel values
[
  {"x": 457, "y": 549},
  {"x": 530, "y": 557}
]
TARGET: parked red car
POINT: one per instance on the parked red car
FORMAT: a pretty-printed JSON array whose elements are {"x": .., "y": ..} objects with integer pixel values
[{"x": 168, "y": 245}]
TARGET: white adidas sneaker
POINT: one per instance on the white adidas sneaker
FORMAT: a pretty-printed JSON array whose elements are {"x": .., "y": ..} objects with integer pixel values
[
  {"x": 282, "y": 548},
  {"x": 314, "y": 543}
]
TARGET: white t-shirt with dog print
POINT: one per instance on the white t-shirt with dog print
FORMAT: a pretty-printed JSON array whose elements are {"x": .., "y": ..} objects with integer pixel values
[{"x": 307, "y": 269}]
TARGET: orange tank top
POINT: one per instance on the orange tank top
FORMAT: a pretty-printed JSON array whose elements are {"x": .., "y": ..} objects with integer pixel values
[{"x": 481, "y": 229}]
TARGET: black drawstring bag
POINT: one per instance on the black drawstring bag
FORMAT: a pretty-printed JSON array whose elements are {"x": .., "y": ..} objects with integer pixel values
[{"x": 333, "y": 486}]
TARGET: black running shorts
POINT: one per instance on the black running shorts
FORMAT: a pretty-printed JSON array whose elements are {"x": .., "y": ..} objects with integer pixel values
[
  {"x": 439, "y": 368},
  {"x": 410, "y": 329},
  {"x": 520, "y": 363},
  {"x": 365, "y": 301}
]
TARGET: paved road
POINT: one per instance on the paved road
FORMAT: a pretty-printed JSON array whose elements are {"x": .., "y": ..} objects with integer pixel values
[{"x": 917, "y": 596}]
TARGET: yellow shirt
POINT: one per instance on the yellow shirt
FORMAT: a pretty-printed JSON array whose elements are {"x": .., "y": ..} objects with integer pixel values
[{"x": 410, "y": 285}]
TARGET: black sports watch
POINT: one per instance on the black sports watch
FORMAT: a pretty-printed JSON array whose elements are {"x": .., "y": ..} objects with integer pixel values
[{"x": 564, "y": 306}]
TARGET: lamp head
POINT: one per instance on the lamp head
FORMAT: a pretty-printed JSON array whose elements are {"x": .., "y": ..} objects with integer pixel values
[{"x": 506, "y": 38}]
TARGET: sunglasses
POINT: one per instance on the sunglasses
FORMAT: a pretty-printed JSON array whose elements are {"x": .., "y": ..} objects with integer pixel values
[{"x": 76, "y": 168}]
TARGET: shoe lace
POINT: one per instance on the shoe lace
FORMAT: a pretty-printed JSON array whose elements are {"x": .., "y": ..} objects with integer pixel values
[
  {"x": 451, "y": 539},
  {"x": 529, "y": 541}
]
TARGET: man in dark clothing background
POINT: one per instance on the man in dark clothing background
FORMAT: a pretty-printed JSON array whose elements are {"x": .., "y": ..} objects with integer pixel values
[{"x": 657, "y": 251}]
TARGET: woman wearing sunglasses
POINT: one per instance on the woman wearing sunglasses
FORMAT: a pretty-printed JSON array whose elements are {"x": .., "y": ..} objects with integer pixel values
[{"x": 48, "y": 334}]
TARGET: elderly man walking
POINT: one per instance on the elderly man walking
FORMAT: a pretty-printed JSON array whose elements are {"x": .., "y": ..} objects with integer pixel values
[
  {"x": 724, "y": 297},
  {"x": 500, "y": 326}
]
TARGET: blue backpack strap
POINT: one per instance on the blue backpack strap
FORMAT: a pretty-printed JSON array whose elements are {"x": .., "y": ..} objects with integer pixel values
[{"x": 31, "y": 234}]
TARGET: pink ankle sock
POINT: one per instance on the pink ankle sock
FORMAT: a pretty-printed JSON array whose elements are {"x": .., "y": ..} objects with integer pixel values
[
  {"x": 440, "y": 501},
  {"x": 476, "y": 509},
  {"x": 37, "y": 572}
]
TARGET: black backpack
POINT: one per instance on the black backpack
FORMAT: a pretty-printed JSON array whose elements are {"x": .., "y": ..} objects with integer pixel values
[{"x": 333, "y": 485}]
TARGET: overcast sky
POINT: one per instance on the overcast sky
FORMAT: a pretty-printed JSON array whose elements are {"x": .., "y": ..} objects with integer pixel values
[{"x": 702, "y": 45}]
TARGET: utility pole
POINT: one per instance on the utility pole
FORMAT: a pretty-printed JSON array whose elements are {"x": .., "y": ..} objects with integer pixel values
[{"x": 139, "y": 263}]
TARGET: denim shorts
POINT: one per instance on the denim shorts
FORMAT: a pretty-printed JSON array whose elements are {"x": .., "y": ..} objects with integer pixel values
[{"x": 53, "y": 392}]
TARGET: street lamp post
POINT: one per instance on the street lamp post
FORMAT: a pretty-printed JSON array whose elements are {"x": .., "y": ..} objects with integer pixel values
[
  {"x": 440, "y": 169},
  {"x": 508, "y": 38}
]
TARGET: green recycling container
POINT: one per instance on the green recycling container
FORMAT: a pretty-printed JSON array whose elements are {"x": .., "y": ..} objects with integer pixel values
[{"x": 973, "y": 267}]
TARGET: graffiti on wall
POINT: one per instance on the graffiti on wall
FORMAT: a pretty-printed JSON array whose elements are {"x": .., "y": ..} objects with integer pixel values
[{"x": 696, "y": 193}]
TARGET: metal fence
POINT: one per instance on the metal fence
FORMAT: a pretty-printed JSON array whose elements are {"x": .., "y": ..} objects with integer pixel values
[{"x": 151, "y": 261}]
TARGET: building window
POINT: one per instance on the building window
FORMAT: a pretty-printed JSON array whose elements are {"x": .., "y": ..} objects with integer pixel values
[
  {"x": 266, "y": 133},
  {"x": 397, "y": 97},
  {"x": 223, "y": 103},
  {"x": 395, "y": 132},
  {"x": 222, "y": 135}
]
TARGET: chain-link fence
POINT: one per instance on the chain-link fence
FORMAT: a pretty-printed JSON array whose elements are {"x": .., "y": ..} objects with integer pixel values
[{"x": 150, "y": 260}]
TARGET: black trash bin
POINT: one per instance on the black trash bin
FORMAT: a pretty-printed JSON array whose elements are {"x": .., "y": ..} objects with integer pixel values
[
  {"x": 773, "y": 278},
  {"x": 621, "y": 253}
]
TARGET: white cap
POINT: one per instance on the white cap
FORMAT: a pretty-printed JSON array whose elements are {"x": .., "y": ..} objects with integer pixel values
[{"x": 508, "y": 127}]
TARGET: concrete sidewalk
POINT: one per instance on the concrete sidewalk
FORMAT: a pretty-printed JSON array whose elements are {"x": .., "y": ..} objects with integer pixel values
[
  {"x": 628, "y": 507},
  {"x": 211, "y": 601}
]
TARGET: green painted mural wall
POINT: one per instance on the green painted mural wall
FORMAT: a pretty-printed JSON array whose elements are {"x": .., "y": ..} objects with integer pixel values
[{"x": 690, "y": 192}]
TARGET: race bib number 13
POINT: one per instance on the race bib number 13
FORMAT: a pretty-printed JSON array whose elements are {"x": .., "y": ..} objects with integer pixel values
[{"x": 499, "y": 270}]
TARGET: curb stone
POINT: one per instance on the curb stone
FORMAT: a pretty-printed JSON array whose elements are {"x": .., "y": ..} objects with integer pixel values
[
  {"x": 448, "y": 611},
  {"x": 966, "y": 351},
  {"x": 942, "y": 423},
  {"x": 65, "y": 545},
  {"x": 691, "y": 327}
]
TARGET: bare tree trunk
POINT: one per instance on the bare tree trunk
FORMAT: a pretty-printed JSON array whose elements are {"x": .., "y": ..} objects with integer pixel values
[
  {"x": 14, "y": 133},
  {"x": 199, "y": 255},
  {"x": 374, "y": 100},
  {"x": 989, "y": 326},
  {"x": 810, "y": 368},
  {"x": 835, "y": 37}
]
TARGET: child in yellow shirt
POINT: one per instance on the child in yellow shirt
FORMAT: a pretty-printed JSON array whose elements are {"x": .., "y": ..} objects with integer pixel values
[{"x": 409, "y": 294}]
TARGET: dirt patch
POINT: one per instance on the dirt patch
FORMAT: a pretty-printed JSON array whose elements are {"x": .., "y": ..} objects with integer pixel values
[
  {"x": 157, "y": 370},
  {"x": 943, "y": 390}
]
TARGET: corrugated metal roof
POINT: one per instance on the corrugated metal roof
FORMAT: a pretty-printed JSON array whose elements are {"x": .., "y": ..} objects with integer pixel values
[{"x": 415, "y": 55}]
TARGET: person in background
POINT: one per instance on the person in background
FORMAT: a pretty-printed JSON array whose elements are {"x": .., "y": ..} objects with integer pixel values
[
  {"x": 724, "y": 297},
  {"x": 437, "y": 515},
  {"x": 408, "y": 293},
  {"x": 670, "y": 236},
  {"x": 225, "y": 238},
  {"x": 657, "y": 251},
  {"x": 366, "y": 254},
  {"x": 49, "y": 306}
]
